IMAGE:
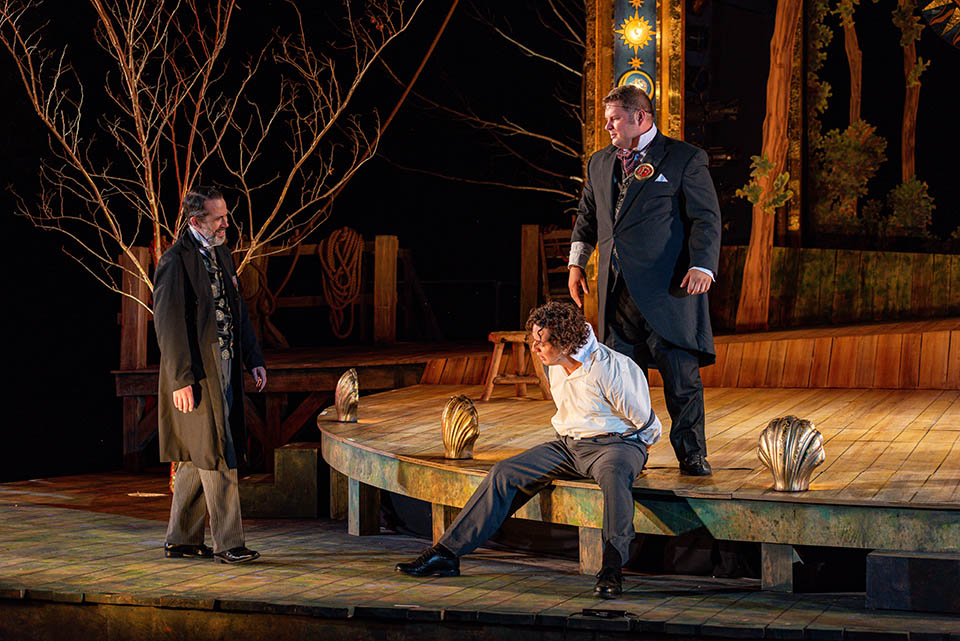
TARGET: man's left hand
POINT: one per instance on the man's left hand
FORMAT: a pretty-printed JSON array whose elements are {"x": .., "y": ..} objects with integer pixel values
[
  {"x": 696, "y": 282},
  {"x": 260, "y": 376}
]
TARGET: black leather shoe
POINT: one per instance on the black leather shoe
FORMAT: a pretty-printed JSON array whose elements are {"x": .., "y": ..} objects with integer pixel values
[
  {"x": 177, "y": 551},
  {"x": 433, "y": 562},
  {"x": 609, "y": 583},
  {"x": 237, "y": 555},
  {"x": 695, "y": 465}
]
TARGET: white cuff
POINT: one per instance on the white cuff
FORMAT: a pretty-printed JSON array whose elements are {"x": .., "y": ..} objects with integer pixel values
[
  {"x": 579, "y": 254},
  {"x": 705, "y": 271}
]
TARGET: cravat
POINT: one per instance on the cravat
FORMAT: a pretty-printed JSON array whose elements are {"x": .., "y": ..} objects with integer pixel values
[{"x": 629, "y": 158}]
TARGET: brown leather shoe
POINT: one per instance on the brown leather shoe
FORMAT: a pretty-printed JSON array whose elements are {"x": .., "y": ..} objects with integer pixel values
[
  {"x": 177, "y": 551},
  {"x": 236, "y": 555}
]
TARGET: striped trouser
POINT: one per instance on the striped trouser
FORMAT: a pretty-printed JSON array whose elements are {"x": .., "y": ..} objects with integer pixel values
[{"x": 198, "y": 492}]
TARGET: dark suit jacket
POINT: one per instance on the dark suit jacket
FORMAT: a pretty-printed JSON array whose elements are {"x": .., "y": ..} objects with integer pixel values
[
  {"x": 663, "y": 229},
  {"x": 186, "y": 328}
]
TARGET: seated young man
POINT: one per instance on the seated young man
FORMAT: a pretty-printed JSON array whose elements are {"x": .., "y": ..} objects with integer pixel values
[{"x": 604, "y": 426}]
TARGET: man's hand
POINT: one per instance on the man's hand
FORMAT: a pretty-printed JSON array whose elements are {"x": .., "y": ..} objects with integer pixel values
[
  {"x": 577, "y": 283},
  {"x": 696, "y": 282},
  {"x": 183, "y": 399},
  {"x": 260, "y": 376}
]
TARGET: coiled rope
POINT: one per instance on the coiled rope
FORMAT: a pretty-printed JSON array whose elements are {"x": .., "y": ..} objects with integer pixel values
[{"x": 340, "y": 255}]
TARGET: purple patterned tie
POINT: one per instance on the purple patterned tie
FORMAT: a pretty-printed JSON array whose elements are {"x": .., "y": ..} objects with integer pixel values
[{"x": 629, "y": 158}]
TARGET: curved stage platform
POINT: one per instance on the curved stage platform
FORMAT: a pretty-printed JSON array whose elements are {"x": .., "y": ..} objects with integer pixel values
[{"x": 890, "y": 480}]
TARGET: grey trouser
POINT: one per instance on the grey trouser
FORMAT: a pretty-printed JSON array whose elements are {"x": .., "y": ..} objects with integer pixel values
[
  {"x": 197, "y": 492},
  {"x": 613, "y": 462}
]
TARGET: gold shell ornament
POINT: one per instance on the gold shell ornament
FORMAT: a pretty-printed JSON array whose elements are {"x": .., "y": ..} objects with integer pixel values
[
  {"x": 791, "y": 448},
  {"x": 460, "y": 425},
  {"x": 347, "y": 397}
]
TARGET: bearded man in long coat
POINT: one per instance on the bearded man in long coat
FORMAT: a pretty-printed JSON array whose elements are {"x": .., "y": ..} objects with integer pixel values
[{"x": 206, "y": 341}]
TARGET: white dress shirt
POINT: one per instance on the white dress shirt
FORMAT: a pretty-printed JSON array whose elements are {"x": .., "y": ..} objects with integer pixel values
[{"x": 607, "y": 394}]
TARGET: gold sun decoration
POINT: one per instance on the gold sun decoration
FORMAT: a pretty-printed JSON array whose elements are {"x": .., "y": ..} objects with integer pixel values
[
  {"x": 636, "y": 4},
  {"x": 635, "y": 63},
  {"x": 635, "y": 32}
]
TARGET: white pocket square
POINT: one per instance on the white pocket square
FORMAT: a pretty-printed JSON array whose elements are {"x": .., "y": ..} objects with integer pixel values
[{"x": 661, "y": 179}]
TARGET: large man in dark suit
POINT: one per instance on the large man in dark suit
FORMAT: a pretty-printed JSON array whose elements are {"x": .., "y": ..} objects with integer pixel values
[
  {"x": 650, "y": 208},
  {"x": 205, "y": 341}
]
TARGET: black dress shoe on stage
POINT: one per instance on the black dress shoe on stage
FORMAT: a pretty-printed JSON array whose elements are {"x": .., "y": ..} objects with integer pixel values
[
  {"x": 176, "y": 551},
  {"x": 435, "y": 561},
  {"x": 609, "y": 583},
  {"x": 695, "y": 465},
  {"x": 237, "y": 555}
]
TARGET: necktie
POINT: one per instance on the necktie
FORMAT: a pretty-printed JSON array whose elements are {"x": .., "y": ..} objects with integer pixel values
[{"x": 630, "y": 158}]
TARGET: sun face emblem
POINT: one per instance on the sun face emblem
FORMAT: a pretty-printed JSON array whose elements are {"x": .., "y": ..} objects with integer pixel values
[{"x": 636, "y": 32}]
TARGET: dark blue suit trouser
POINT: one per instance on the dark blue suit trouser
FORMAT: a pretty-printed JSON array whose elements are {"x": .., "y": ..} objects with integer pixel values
[{"x": 629, "y": 333}]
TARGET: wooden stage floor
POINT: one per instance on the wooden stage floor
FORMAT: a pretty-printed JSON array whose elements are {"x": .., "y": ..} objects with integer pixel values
[
  {"x": 883, "y": 447},
  {"x": 88, "y": 549}
]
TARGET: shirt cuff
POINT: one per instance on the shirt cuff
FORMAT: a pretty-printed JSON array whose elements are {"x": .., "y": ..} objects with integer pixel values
[
  {"x": 579, "y": 254},
  {"x": 705, "y": 271}
]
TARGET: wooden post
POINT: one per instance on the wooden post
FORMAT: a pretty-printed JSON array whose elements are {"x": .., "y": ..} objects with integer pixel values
[
  {"x": 443, "y": 516},
  {"x": 529, "y": 269},
  {"x": 385, "y": 289},
  {"x": 363, "y": 518},
  {"x": 591, "y": 550},
  {"x": 133, "y": 348},
  {"x": 339, "y": 495},
  {"x": 776, "y": 567}
]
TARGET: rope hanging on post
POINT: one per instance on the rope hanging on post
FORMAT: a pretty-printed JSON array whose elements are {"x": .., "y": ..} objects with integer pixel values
[{"x": 340, "y": 254}]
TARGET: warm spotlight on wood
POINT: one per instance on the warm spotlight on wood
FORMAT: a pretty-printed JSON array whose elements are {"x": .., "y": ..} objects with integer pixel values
[
  {"x": 347, "y": 397},
  {"x": 791, "y": 448},
  {"x": 461, "y": 427}
]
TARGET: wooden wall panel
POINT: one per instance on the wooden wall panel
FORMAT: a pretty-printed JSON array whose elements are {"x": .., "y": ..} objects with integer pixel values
[
  {"x": 953, "y": 361},
  {"x": 921, "y": 285},
  {"x": 910, "y": 361},
  {"x": 796, "y": 368},
  {"x": 775, "y": 364},
  {"x": 934, "y": 354},
  {"x": 753, "y": 364},
  {"x": 866, "y": 361},
  {"x": 887, "y": 374},
  {"x": 846, "y": 294},
  {"x": 822, "y": 349},
  {"x": 843, "y": 361},
  {"x": 730, "y": 368}
]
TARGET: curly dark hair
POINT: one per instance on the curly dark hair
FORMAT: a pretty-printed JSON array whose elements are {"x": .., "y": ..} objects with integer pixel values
[
  {"x": 195, "y": 200},
  {"x": 568, "y": 328}
]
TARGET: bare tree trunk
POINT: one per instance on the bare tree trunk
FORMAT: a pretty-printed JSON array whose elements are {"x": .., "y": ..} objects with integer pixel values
[
  {"x": 911, "y": 103},
  {"x": 755, "y": 291},
  {"x": 855, "y": 60}
]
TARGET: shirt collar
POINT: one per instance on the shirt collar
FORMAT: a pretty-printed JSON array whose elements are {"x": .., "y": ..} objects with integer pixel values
[
  {"x": 646, "y": 138},
  {"x": 583, "y": 354},
  {"x": 200, "y": 239}
]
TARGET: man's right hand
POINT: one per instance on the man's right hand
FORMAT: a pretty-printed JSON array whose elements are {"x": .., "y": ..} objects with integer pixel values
[
  {"x": 183, "y": 399},
  {"x": 577, "y": 282}
]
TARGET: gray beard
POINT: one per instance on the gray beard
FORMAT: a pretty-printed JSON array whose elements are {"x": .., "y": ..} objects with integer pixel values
[{"x": 215, "y": 241}]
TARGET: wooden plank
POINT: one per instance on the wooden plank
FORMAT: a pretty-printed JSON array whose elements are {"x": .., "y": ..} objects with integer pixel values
[
  {"x": 953, "y": 362},
  {"x": 869, "y": 265},
  {"x": 363, "y": 518},
  {"x": 442, "y": 517},
  {"x": 306, "y": 411},
  {"x": 910, "y": 361},
  {"x": 339, "y": 495},
  {"x": 903, "y": 301},
  {"x": 453, "y": 371},
  {"x": 820, "y": 368},
  {"x": 807, "y": 308},
  {"x": 730, "y": 373},
  {"x": 529, "y": 269},
  {"x": 866, "y": 364},
  {"x": 385, "y": 289},
  {"x": 476, "y": 368},
  {"x": 433, "y": 371},
  {"x": 921, "y": 285},
  {"x": 775, "y": 364},
  {"x": 799, "y": 359},
  {"x": 953, "y": 299},
  {"x": 591, "y": 550},
  {"x": 939, "y": 290},
  {"x": 776, "y": 567},
  {"x": 791, "y": 276},
  {"x": 753, "y": 366},
  {"x": 828, "y": 287},
  {"x": 886, "y": 289},
  {"x": 846, "y": 294},
  {"x": 778, "y": 287},
  {"x": 843, "y": 361},
  {"x": 888, "y": 361},
  {"x": 934, "y": 356}
]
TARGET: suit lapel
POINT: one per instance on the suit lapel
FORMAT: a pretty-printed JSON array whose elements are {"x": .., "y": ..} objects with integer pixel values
[{"x": 655, "y": 156}]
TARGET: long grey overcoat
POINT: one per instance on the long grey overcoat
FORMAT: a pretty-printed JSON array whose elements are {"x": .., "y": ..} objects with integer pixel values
[
  {"x": 667, "y": 224},
  {"x": 186, "y": 325}
]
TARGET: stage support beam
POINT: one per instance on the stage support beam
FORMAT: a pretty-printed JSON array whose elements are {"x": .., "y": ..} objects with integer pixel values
[
  {"x": 443, "y": 516},
  {"x": 363, "y": 518},
  {"x": 591, "y": 550},
  {"x": 776, "y": 567}
]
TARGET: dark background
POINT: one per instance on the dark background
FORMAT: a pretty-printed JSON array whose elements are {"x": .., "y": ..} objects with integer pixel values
[{"x": 62, "y": 416}]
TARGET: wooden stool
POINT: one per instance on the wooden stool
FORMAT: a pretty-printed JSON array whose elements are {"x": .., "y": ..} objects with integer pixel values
[{"x": 519, "y": 378}]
